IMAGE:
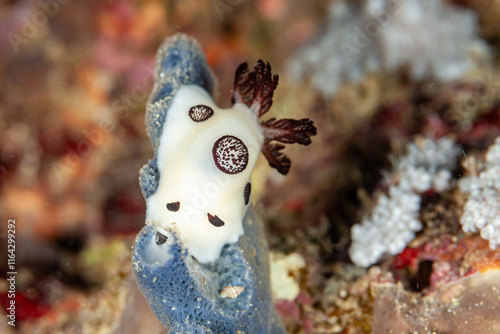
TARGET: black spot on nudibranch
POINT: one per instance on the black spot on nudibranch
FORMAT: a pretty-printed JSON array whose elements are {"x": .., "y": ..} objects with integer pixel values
[
  {"x": 174, "y": 206},
  {"x": 230, "y": 154},
  {"x": 200, "y": 113},
  {"x": 160, "y": 239},
  {"x": 247, "y": 192},
  {"x": 215, "y": 221}
]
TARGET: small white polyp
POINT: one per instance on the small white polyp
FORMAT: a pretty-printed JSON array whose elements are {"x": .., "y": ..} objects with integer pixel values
[{"x": 190, "y": 176}]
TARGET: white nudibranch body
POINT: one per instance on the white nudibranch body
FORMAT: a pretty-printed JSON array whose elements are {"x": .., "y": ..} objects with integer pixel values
[{"x": 206, "y": 156}]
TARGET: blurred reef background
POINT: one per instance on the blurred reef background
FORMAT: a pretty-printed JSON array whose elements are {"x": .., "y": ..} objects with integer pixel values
[{"x": 406, "y": 98}]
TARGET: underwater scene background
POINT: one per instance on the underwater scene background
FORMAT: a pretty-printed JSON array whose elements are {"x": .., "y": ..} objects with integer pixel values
[{"x": 387, "y": 222}]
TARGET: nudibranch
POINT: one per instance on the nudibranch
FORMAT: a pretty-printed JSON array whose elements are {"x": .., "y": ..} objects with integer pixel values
[{"x": 201, "y": 239}]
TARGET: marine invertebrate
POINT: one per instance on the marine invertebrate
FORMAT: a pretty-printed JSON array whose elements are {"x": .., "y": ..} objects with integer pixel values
[
  {"x": 482, "y": 209},
  {"x": 389, "y": 228},
  {"x": 428, "y": 164},
  {"x": 372, "y": 35},
  {"x": 202, "y": 243},
  {"x": 394, "y": 220}
]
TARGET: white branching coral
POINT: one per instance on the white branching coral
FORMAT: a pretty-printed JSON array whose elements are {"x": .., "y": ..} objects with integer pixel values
[
  {"x": 428, "y": 164},
  {"x": 394, "y": 220},
  {"x": 432, "y": 39},
  {"x": 327, "y": 60},
  {"x": 390, "y": 227},
  {"x": 482, "y": 209}
]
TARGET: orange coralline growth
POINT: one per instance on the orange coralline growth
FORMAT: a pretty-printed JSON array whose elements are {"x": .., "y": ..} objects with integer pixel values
[
  {"x": 451, "y": 259},
  {"x": 477, "y": 255},
  {"x": 471, "y": 254},
  {"x": 483, "y": 258}
]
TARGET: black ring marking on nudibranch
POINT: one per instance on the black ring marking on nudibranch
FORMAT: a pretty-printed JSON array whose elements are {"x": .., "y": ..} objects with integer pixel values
[
  {"x": 160, "y": 239},
  {"x": 230, "y": 154},
  {"x": 200, "y": 113},
  {"x": 247, "y": 192},
  {"x": 215, "y": 221},
  {"x": 174, "y": 206}
]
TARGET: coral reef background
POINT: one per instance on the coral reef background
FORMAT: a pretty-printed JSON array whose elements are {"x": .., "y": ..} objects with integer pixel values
[{"x": 76, "y": 76}]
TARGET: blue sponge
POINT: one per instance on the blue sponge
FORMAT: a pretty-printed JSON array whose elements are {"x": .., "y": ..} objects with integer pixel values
[{"x": 185, "y": 294}]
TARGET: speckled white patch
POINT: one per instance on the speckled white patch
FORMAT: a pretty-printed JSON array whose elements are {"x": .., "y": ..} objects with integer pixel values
[{"x": 231, "y": 291}]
